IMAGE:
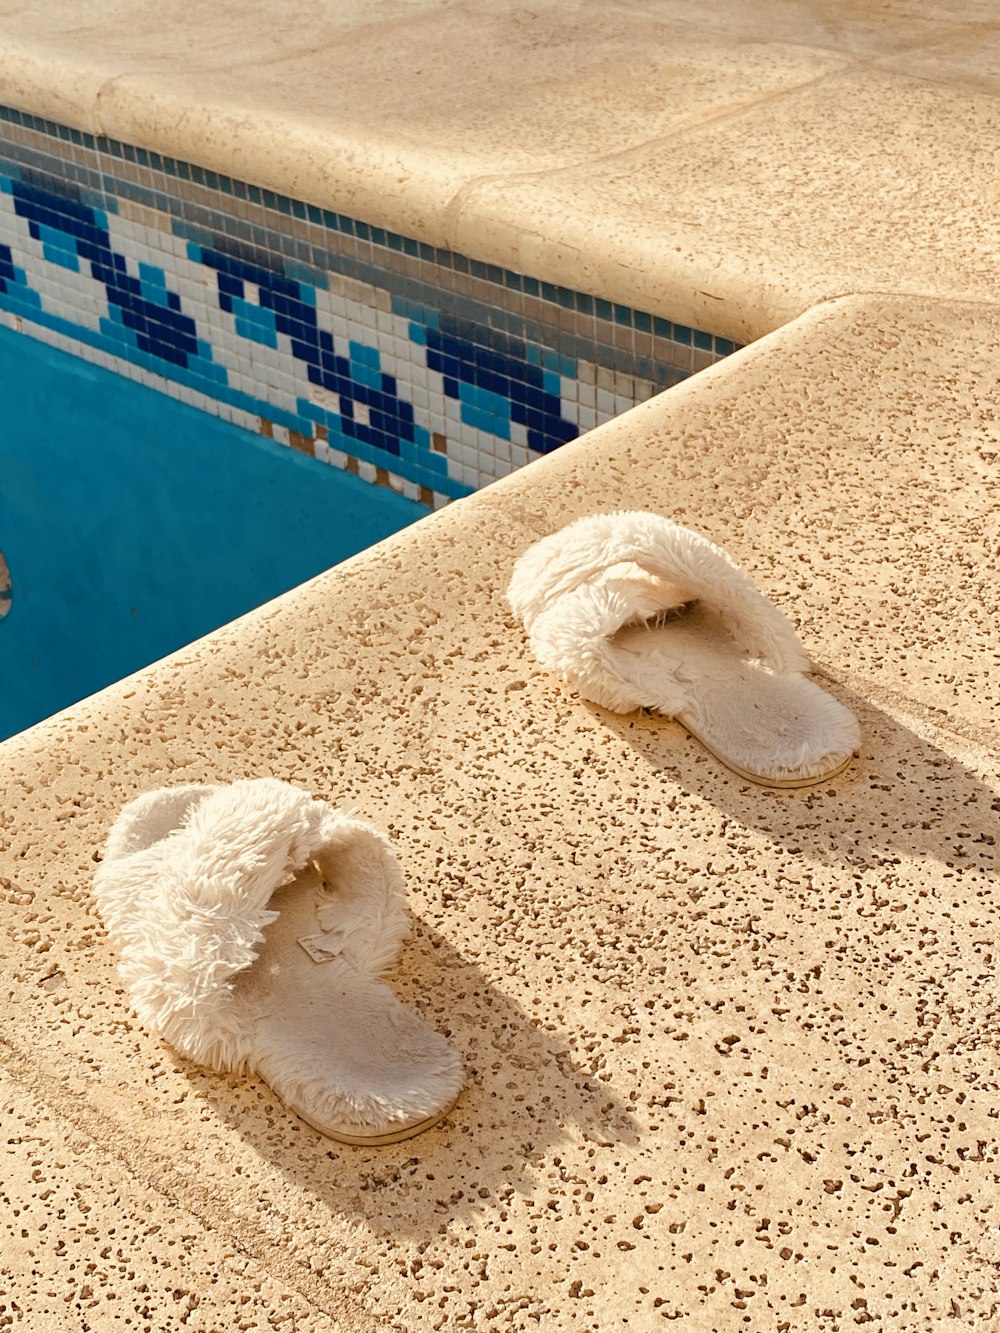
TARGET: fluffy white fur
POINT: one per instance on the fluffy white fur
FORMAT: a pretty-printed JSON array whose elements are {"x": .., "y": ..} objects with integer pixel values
[
  {"x": 186, "y": 889},
  {"x": 580, "y": 590},
  {"x": 576, "y": 588}
]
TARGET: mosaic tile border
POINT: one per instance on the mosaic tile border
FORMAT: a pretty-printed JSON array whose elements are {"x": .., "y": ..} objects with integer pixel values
[{"x": 412, "y": 366}]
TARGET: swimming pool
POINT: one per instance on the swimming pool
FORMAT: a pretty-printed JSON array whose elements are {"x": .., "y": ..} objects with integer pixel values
[
  {"x": 221, "y": 333},
  {"x": 131, "y": 523}
]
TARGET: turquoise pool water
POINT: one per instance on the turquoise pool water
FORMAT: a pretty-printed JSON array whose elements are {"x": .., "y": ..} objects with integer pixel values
[{"x": 131, "y": 524}]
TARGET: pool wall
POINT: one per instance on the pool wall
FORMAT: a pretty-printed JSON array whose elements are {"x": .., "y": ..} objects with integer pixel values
[{"x": 411, "y": 366}]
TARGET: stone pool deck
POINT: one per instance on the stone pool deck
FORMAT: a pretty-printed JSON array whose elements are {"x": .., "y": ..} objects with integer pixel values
[
  {"x": 732, "y": 1053},
  {"x": 726, "y": 165}
]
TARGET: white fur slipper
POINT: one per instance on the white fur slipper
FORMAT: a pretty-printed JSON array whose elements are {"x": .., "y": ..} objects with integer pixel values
[
  {"x": 637, "y": 612},
  {"x": 252, "y": 922}
]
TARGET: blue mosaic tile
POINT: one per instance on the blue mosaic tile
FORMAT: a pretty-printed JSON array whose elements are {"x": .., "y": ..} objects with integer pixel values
[{"x": 441, "y": 378}]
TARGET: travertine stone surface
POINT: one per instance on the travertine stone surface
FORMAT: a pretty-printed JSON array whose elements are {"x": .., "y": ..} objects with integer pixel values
[
  {"x": 732, "y": 1053},
  {"x": 726, "y": 165},
  {"x": 84, "y": 1247}
]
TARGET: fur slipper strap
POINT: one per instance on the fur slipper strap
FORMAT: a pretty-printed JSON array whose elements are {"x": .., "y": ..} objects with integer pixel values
[
  {"x": 185, "y": 886},
  {"x": 573, "y": 638},
  {"x": 647, "y": 565}
]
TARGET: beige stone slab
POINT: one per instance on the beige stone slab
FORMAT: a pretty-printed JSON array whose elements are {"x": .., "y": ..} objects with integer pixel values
[
  {"x": 967, "y": 59},
  {"x": 863, "y": 181},
  {"x": 474, "y": 84},
  {"x": 737, "y": 1048},
  {"x": 726, "y": 166},
  {"x": 85, "y": 1245},
  {"x": 382, "y": 111}
]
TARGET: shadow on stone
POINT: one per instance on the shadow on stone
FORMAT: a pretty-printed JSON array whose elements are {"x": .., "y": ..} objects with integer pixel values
[
  {"x": 526, "y": 1093},
  {"x": 901, "y": 796}
]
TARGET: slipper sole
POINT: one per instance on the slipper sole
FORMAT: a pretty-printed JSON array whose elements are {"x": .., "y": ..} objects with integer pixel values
[{"x": 379, "y": 1139}]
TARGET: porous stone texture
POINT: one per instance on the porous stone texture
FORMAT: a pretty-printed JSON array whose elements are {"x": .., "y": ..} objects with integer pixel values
[
  {"x": 724, "y": 165},
  {"x": 84, "y": 1247},
  {"x": 732, "y": 1053}
]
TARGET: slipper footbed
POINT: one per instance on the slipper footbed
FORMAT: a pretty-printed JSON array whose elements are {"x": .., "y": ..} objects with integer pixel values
[
  {"x": 335, "y": 1043},
  {"x": 773, "y": 727}
]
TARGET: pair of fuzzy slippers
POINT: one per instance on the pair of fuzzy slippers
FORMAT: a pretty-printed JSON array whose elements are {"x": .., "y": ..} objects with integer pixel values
[{"x": 255, "y": 923}]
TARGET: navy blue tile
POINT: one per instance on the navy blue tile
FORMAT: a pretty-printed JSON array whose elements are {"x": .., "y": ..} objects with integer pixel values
[{"x": 165, "y": 350}]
